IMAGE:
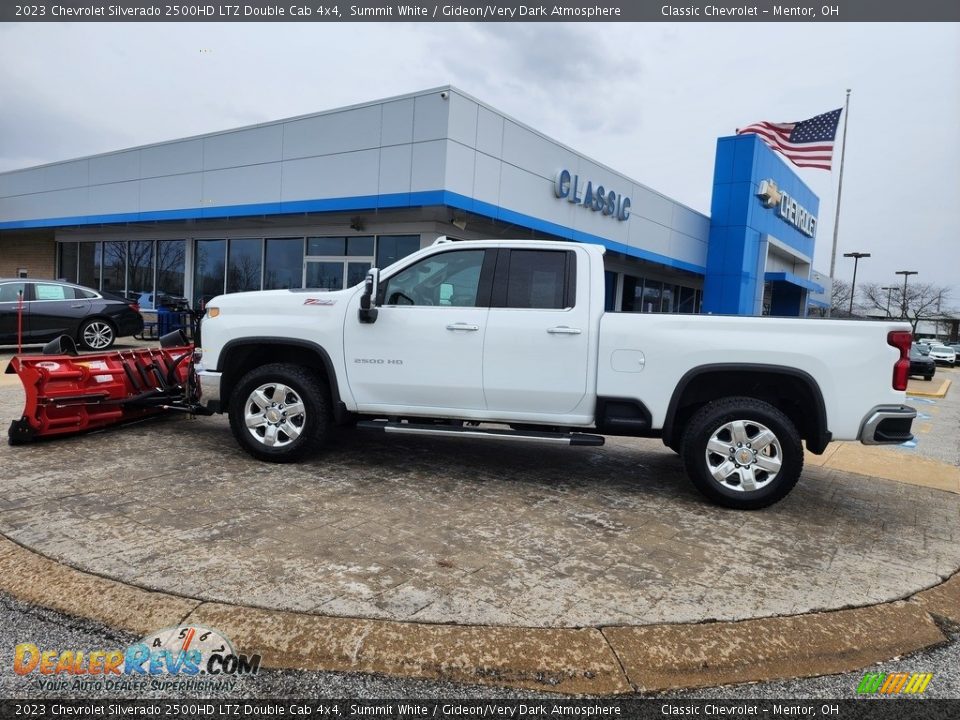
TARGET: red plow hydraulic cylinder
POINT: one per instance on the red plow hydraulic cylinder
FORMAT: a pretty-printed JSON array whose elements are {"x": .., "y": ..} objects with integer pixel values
[{"x": 67, "y": 394}]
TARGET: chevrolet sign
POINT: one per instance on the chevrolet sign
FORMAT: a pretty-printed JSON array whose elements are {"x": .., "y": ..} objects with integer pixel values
[{"x": 787, "y": 208}]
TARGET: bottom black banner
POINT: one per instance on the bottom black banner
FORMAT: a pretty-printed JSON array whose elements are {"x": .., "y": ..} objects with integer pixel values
[{"x": 869, "y": 709}]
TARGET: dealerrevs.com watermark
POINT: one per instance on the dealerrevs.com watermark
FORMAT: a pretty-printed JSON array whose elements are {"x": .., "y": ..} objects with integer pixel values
[{"x": 183, "y": 658}]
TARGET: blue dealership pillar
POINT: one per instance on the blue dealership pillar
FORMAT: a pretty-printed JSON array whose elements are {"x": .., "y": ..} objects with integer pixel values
[{"x": 744, "y": 225}]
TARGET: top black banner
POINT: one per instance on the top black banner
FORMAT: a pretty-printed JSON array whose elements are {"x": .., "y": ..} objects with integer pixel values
[{"x": 477, "y": 11}]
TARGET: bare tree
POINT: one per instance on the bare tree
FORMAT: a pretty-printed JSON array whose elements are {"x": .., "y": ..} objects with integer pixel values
[
  {"x": 244, "y": 274},
  {"x": 840, "y": 298},
  {"x": 924, "y": 301},
  {"x": 170, "y": 266}
]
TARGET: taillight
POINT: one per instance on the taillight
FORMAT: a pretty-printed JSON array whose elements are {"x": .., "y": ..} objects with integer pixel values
[
  {"x": 901, "y": 339},
  {"x": 135, "y": 307}
]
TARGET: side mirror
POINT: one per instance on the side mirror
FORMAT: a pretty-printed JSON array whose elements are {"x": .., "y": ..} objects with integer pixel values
[{"x": 371, "y": 285}]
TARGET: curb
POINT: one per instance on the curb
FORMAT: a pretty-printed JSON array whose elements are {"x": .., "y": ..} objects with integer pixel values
[
  {"x": 938, "y": 393},
  {"x": 581, "y": 661}
]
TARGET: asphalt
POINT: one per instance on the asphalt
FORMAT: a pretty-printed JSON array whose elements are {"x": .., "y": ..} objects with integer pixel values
[{"x": 903, "y": 523}]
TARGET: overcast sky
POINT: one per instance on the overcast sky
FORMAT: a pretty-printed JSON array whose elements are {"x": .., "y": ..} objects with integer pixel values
[{"x": 647, "y": 100}]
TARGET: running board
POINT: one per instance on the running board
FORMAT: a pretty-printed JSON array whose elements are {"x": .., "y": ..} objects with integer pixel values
[{"x": 473, "y": 432}]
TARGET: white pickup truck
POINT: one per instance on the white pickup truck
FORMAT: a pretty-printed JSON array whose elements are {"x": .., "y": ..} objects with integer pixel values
[{"x": 509, "y": 340}]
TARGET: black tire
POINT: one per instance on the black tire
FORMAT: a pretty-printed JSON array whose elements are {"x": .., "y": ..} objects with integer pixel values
[
  {"x": 714, "y": 422},
  {"x": 928, "y": 377},
  {"x": 96, "y": 334},
  {"x": 313, "y": 424}
]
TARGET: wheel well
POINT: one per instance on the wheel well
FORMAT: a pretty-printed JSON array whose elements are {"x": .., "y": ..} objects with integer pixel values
[
  {"x": 237, "y": 360},
  {"x": 794, "y": 393}
]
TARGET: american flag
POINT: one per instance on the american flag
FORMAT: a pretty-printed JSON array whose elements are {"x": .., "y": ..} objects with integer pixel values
[{"x": 808, "y": 143}]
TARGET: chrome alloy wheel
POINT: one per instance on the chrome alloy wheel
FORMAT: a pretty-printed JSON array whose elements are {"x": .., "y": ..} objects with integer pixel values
[
  {"x": 274, "y": 415},
  {"x": 744, "y": 455},
  {"x": 98, "y": 335}
]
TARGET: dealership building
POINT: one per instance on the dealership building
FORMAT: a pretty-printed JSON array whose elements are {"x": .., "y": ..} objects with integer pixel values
[{"x": 316, "y": 200}]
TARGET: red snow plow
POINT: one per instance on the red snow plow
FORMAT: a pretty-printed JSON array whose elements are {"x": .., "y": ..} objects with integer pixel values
[{"x": 67, "y": 393}]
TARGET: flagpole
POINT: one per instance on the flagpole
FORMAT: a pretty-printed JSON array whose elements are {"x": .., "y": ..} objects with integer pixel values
[{"x": 836, "y": 220}]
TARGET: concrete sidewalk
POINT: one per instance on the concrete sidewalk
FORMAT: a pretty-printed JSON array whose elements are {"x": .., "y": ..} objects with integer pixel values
[
  {"x": 881, "y": 462},
  {"x": 584, "y": 661}
]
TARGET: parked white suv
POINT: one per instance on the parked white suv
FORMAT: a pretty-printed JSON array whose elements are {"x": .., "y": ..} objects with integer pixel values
[{"x": 943, "y": 354}]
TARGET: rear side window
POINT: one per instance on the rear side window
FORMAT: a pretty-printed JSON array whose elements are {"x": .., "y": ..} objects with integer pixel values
[
  {"x": 43, "y": 291},
  {"x": 541, "y": 279}
]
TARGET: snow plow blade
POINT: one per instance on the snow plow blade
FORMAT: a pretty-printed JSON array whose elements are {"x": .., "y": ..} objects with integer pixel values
[{"x": 67, "y": 393}]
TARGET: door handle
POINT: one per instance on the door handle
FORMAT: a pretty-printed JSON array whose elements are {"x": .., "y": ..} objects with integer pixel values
[
  {"x": 77, "y": 306},
  {"x": 563, "y": 330},
  {"x": 463, "y": 326}
]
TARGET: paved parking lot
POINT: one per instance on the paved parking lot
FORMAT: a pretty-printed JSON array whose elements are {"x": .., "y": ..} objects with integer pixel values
[{"x": 465, "y": 532}]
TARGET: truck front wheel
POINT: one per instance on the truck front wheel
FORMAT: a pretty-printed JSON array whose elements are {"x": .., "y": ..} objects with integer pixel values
[
  {"x": 742, "y": 453},
  {"x": 280, "y": 413}
]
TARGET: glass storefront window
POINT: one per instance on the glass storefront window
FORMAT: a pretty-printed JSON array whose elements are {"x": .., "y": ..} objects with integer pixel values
[
  {"x": 325, "y": 275},
  {"x": 326, "y": 246},
  {"x": 668, "y": 299},
  {"x": 209, "y": 271},
  {"x": 140, "y": 267},
  {"x": 360, "y": 246},
  {"x": 283, "y": 267},
  {"x": 391, "y": 248},
  {"x": 171, "y": 266},
  {"x": 244, "y": 264},
  {"x": 114, "y": 266},
  {"x": 688, "y": 298},
  {"x": 69, "y": 253},
  {"x": 652, "y": 290},
  {"x": 90, "y": 256},
  {"x": 609, "y": 291},
  {"x": 632, "y": 293},
  {"x": 356, "y": 273}
]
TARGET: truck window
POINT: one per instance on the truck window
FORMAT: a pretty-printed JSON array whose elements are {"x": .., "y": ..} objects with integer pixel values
[
  {"x": 451, "y": 279},
  {"x": 539, "y": 279}
]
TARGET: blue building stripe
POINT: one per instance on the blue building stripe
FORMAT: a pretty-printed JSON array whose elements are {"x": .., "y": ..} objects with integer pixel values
[{"x": 363, "y": 202}]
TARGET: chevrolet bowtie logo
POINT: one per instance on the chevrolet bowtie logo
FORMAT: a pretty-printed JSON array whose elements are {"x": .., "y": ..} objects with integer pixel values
[{"x": 769, "y": 193}]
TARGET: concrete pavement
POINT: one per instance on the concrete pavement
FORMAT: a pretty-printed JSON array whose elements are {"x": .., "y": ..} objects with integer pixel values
[{"x": 584, "y": 571}]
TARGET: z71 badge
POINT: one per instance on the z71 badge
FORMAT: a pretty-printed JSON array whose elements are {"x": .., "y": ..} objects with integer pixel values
[{"x": 319, "y": 301}]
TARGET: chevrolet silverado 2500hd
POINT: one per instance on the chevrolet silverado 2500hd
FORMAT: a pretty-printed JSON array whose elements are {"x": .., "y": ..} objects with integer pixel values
[{"x": 460, "y": 335}]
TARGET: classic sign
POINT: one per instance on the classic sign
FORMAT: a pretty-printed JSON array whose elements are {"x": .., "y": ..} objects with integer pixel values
[{"x": 595, "y": 197}]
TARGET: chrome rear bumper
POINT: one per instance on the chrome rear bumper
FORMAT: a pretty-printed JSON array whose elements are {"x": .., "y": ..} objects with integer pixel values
[{"x": 887, "y": 425}]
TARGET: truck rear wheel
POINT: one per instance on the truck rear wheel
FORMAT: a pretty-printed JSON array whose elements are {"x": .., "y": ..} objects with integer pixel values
[
  {"x": 280, "y": 413},
  {"x": 742, "y": 453}
]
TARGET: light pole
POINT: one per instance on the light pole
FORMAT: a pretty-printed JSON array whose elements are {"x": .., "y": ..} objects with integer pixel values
[
  {"x": 903, "y": 300},
  {"x": 853, "y": 286},
  {"x": 889, "y": 290}
]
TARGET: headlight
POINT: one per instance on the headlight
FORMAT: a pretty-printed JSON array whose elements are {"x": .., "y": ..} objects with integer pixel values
[{"x": 212, "y": 312}]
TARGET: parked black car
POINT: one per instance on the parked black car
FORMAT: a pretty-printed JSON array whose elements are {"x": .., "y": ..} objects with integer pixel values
[
  {"x": 921, "y": 364},
  {"x": 52, "y": 308}
]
